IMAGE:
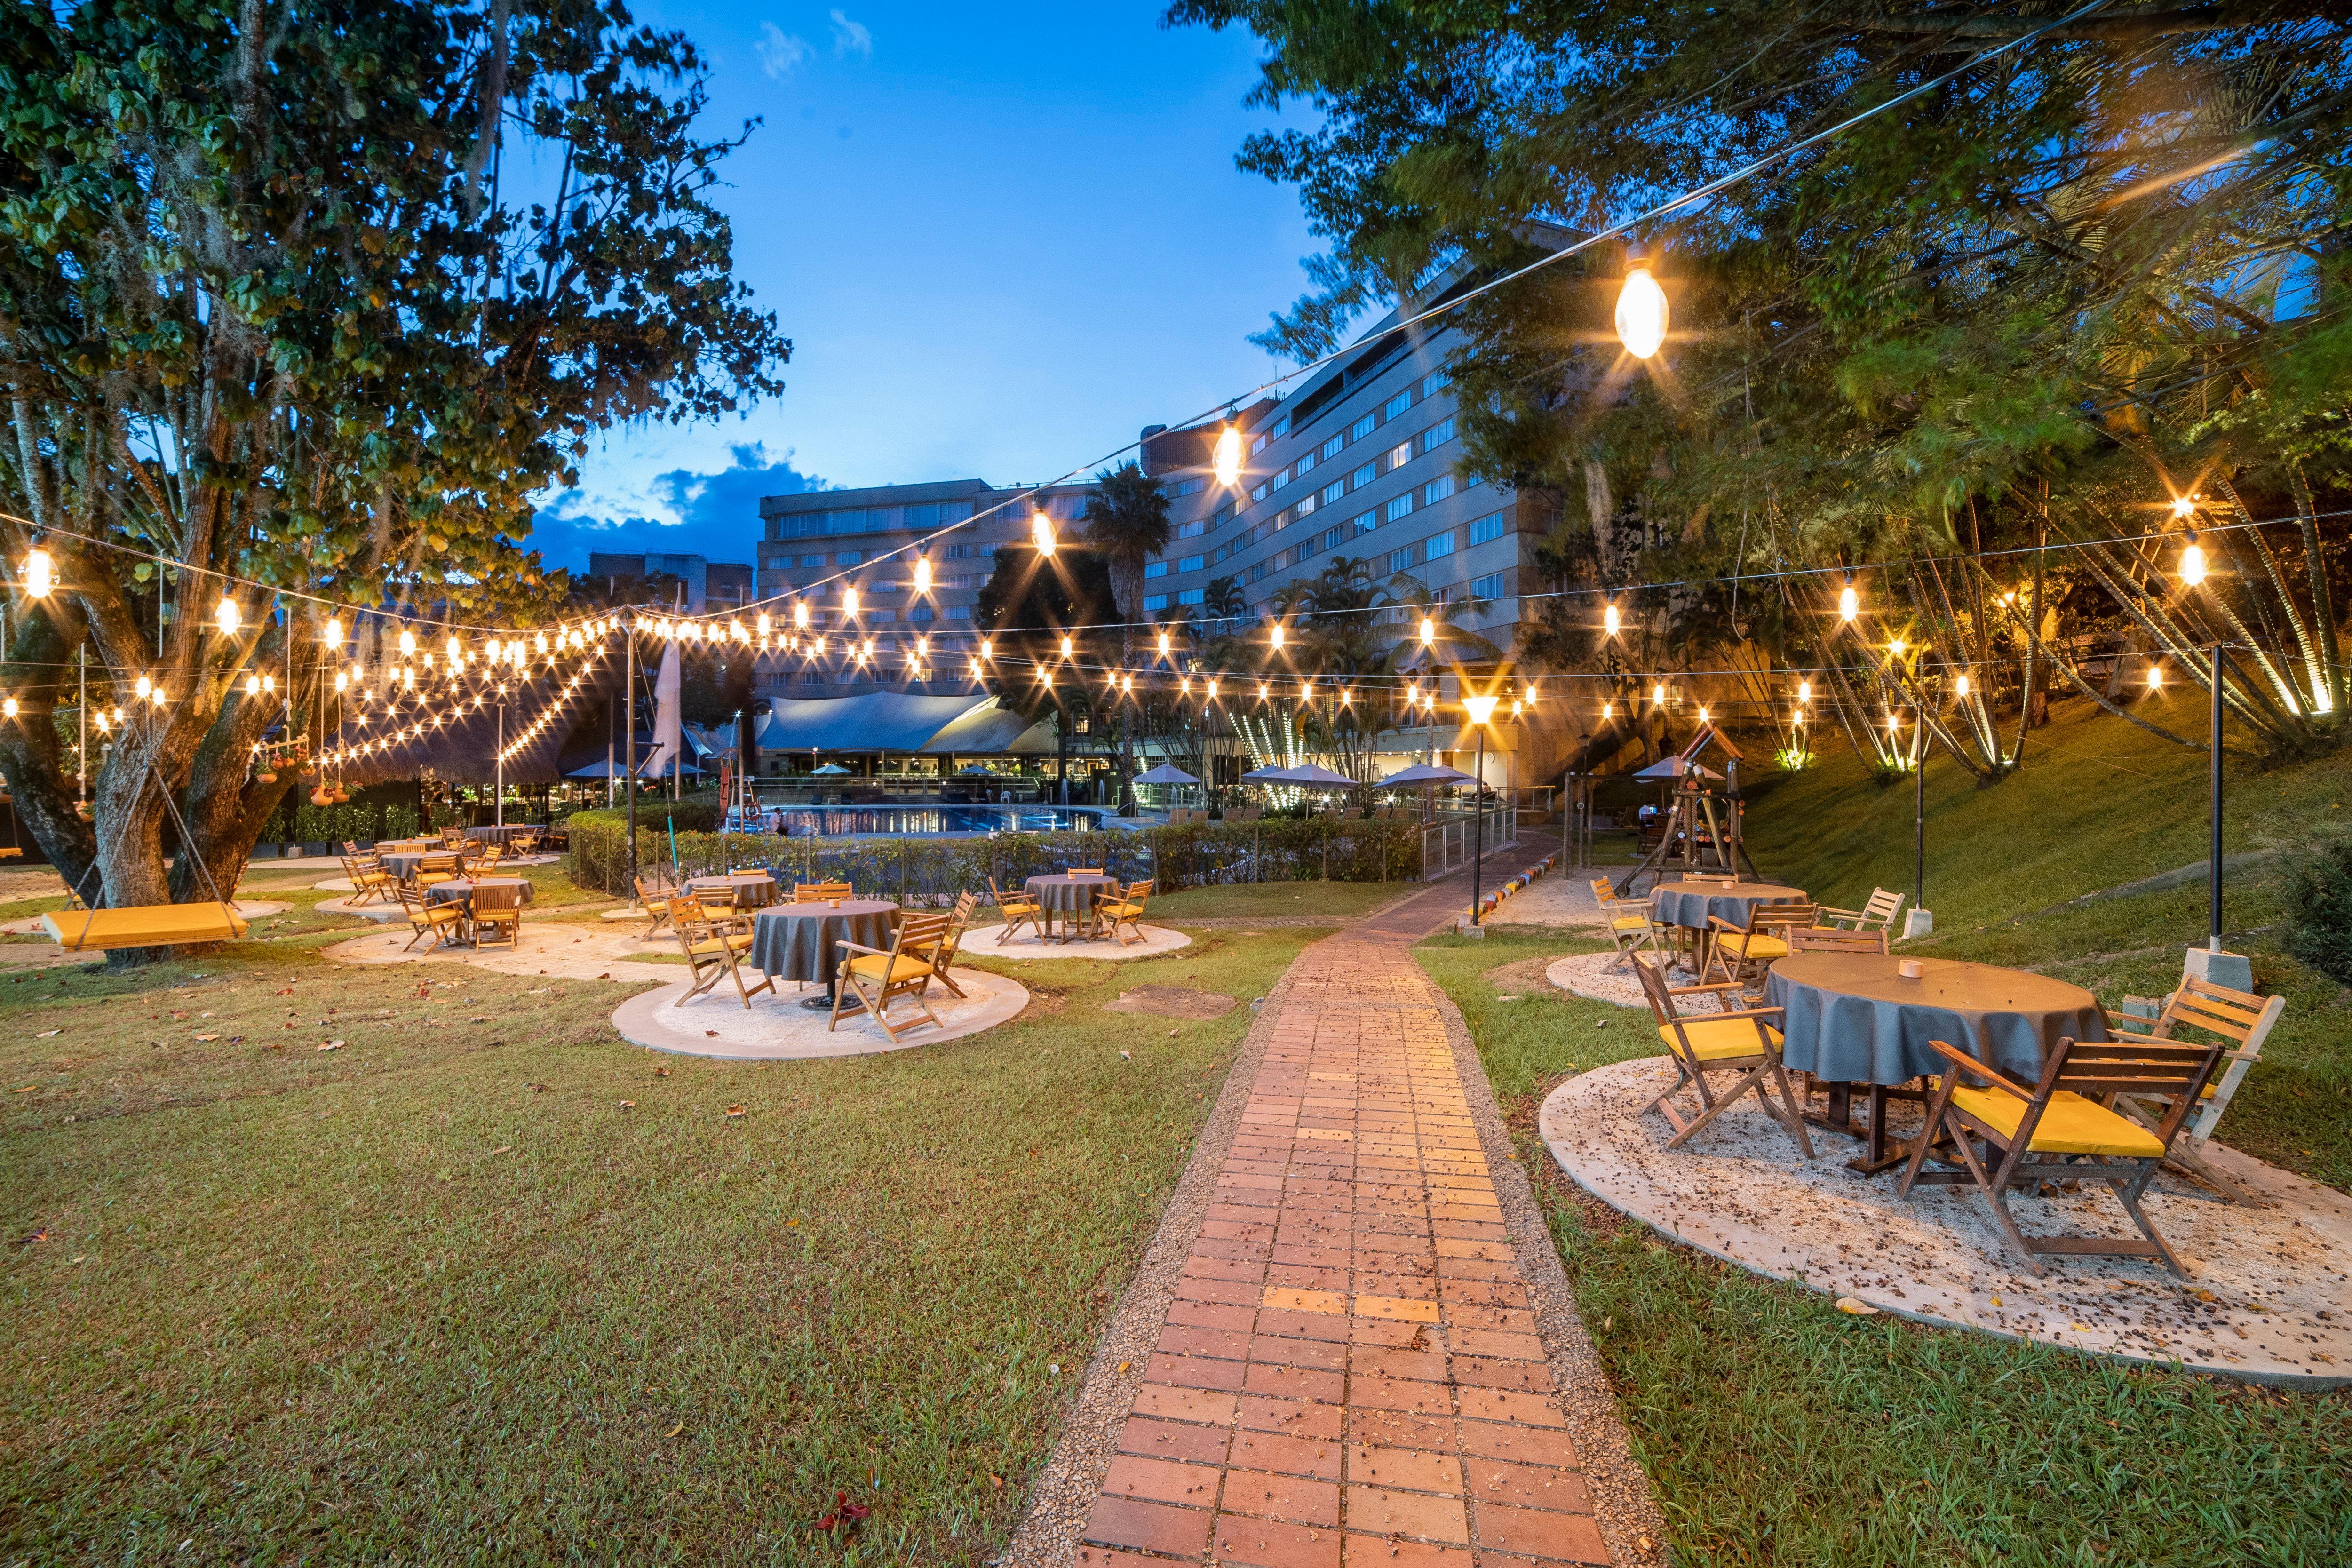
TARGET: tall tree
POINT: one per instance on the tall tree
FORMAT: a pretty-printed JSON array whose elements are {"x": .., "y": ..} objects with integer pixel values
[{"x": 272, "y": 307}]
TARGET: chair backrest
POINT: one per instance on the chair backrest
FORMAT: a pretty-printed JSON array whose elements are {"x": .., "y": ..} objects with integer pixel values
[
  {"x": 1602, "y": 892},
  {"x": 650, "y": 895},
  {"x": 1827, "y": 938},
  {"x": 1781, "y": 915},
  {"x": 2143, "y": 1068},
  {"x": 686, "y": 910},
  {"x": 1881, "y": 910},
  {"x": 1136, "y": 892},
  {"x": 818, "y": 892},
  {"x": 486, "y": 900},
  {"x": 2238, "y": 1020},
  {"x": 919, "y": 933},
  {"x": 453, "y": 836},
  {"x": 432, "y": 862}
]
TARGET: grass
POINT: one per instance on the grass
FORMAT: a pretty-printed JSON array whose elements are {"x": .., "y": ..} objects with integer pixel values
[
  {"x": 1779, "y": 1430},
  {"x": 439, "y": 1292},
  {"x": 1268, "y": 901}
]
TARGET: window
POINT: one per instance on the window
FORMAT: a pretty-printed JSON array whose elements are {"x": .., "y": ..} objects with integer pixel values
[
  {"x": 1437, "y": 435},
  {"x": 1194, "y": 528},
  {"x": 1281, "y": 426},
  {"x": 1331, "y": 447},
  {"x": 1192, "y": 595},
  {"x": 1436, "y": 380},
  {"x": 1259, "y": 492},
  {"x": 1223, "y": 515},
  {"x": 1365, "y": 523},
  {"x": 1334, "y": 491},
  {"x": 1486, "y": 528},
  {"x": 1306, "y": 505},
  {"x": 1398, "y": 405},
  {"x": 1155, "y": 601},
  {"x": 1187, "y": 488},
  {"x": 1221, "y": 552},
  {"x": 1437, "y": 489},
  {"x": 1401, "y": 507},
  {"x": 813, "y": 678},
  {"x": 1488, "y": 587},
  {"x": 1257, "y": 445},
  {"x": 880, "y": 618},
  {"x": 1331, "y": 538},
  {"x": 919, "y": 613},
  {"x": 958, "y": 611},
  {"x": 1400, "y": 560},
  {"x": 1155, "y": 569},
  {"x": 1399, "y": 455},
  {"x": 958, "y": 552},
  {"x": 1191, "y": 564},
  {"x": 812, "y": 560},
  {"x": 1305, "y": 461},
  {"x": 1362, "y": 428},
  {"x": 1363, "y": 475},
  {"x": 1257, "y": 571},
  {"x": 1277, "y": 561},
  {"x": 1437, "y": 544},
  {"x": 846, "y": 558}
]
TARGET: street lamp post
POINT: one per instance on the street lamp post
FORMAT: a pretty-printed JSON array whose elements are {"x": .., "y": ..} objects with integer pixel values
[
  {"x": 498, "y": 807},
  {"x": 1481, "y": 711},
  {"x": 2213, "y": 846}
]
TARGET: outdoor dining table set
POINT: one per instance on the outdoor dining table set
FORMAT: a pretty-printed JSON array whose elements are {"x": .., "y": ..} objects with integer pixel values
[{"x": 2022, "y": 1078}]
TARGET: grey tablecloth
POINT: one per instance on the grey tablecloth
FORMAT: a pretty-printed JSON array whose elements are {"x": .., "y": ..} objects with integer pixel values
[
  {"x": 1853, "y": 1016},
  {"x": 1690, "y": 903},
  {"x": 1068, "y": 894},
  {"x": 405, "y": 864},
  {"x": 750, "y": 889},
  {"x": 794, "y": 942},
  {"x": 458, "y": 889},
  {"x": 511, "y": 830}
]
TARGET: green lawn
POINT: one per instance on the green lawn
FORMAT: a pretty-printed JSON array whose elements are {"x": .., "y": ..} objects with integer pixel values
[
  {"x": 440, "y": 1293},
  {"x": 1259, "y": 900},
  {"x": 1779, "y": 1430}
]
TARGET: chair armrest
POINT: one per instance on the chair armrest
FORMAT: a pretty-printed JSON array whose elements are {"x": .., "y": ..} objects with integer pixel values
[
  {"x": 1717, "y": 922},
  {"x": 1820, "y": 910},
  {"x": 860, "y": 947},
  {"x": 1743, "y": 1012},
  {"x": 1975, "y": 1068},
  {"x": 1718, "y": 985}
]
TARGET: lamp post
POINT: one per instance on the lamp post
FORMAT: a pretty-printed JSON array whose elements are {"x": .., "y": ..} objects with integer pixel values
[
  {"x": 629, "y": 723},
  {"x": 1481, "y": 711},
  {"x": 2213, "y": 847},
  {"x": 498, "y": 807}
]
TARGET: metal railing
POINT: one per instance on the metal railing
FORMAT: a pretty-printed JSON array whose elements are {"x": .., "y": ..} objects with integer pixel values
[{"x": 1447, "y": 845}]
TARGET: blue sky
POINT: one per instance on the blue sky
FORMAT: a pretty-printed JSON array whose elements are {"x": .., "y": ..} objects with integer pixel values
[{"x": 1001, "y": 240}]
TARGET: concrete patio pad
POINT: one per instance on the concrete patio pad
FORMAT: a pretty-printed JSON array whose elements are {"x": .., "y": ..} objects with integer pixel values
[
  {"x": 777, "y": 1027},
  {"x": 1157, "y": 939},
  {"x": 575, "y": 950},
  {"x": 2269, "y": 1296}
]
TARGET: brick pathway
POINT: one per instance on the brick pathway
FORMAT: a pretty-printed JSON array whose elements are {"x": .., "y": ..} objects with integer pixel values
[{"x": 1350, "y": 1373}]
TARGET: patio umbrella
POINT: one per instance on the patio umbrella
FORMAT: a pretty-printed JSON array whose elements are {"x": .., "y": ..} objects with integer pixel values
[
  {"x": 1319, "y": 776},
  {"x": 1675, "y": 768},
  {"x": 1422, "y": 774},
  {"x": 1166, "y": 774},
  {"x": 1267, "y": 776},
  {"x": 830, "y": 768}
]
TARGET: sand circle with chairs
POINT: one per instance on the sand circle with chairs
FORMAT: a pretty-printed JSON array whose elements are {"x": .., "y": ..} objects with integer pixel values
[
  {"x": 775, "y": 1026},
  {"x": 2269, "y": 1294},
  {"x": 1026, "y": 944}
]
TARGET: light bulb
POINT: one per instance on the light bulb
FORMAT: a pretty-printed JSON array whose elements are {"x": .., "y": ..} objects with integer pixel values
[
  {"x": 1225, "y": 458},
  {"x": 1480, "y": 708},
  {"x": 1610, "y": 620},
  {"x": 1184, "y": 686},
  {"x": 1277, "y": 638},
  {"x": 1849, "y": 604},
  {"x": 1533, "y": 695},
  {"x": 1804, "y": 691},
  {"x": 923, "y": 646},
  {"x": 40, "y": 575},
  {"x": 333, "y": 633},
  {"x": 253, "y": 686},
  {"x": 343, "y": 681},
  {"x": 1164, "y": 644},
  {"x": 1041, "y": 532},
  {"x": 1895, "y": 648},
  {"x": 227, "y": 616},
  {"x": 1262, "y": 691},
  {"x": 975, "y": 669},
  {"x": 144, "y": 685},
  {"x": 1963, "y": 686},
  {"x": 922, "y": 574},
  {"x": 849, "y": 600},
  {"x": 407, "y": 644},
  {"x": 2192, "y": 565},
  {"x": 1608, "y": 712},
  {"x": 1428, "y": 631},
  {"x": 1069, "y": 648},
  {"x": 1640, "y": 314},
  {"x": 269, "y": 683},
  {"x": 1702, "y": 713},
  {"x": 8, "y": 708},
  {"x": 985, "y": 648},
  {"x": 765, "y": 625},
  {"x": 540, "y": 639},
  {"x": 2155, "y": 678},
  {"x": 1211, "y": 688},
  {"x": 1658, "y": 693},
  {"x": 800, "y": 616},
  {"x": 2184, "y": 506}
]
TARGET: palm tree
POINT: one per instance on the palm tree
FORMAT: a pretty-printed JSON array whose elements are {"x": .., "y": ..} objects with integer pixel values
[
  {"x": 1127, "y": 522},
  {"x": 1224, "y": 600}
]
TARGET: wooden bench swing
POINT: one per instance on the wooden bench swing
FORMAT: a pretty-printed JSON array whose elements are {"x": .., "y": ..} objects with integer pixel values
[{"x": 95, "y": 930}]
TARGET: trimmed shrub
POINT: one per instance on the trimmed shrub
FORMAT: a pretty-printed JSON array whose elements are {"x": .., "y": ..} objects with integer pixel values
[{"x": 2319, "y": 913}]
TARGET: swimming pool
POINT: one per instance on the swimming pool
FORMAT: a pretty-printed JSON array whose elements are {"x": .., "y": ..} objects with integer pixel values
[{"x": 840, "y": 821}]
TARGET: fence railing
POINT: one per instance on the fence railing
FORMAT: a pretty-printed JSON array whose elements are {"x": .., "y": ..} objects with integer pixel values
[{"x": 1447, "y": 845}]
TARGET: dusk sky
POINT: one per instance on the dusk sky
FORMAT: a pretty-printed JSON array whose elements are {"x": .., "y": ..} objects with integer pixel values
[{"x": 1001, "y": 240}]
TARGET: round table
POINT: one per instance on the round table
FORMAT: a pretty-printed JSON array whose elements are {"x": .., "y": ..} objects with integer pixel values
[
  {"x": 404, "y": 864},
  {"x": 1851, "y": 1016},
  {"x": 502, "y": 833},
  {"x": 1070, "y": 895},
  {"x": 795, "y": 942},
  {"x": 1690, "y": 904},
  {"x": 460, "y": 889},
  {"x": 749, "y": 890}
]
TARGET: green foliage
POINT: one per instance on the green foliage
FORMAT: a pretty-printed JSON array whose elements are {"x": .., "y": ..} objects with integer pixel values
[{"x": 2319, "y": 912}]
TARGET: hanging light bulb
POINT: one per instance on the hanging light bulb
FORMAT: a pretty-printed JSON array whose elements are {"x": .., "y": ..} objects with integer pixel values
[
  {"x": 1610, "y": 620},
  {"x": 156, "y": 696},
  {"x": 144, "y": 687},
  {"x": 2184, "y": 506},
  {"x": 1347, "y": 697},
  {"x": 408, "y": 643},
  {"x": 1702, "y": 713},
  {"x": 269, "y": 683},
  {"x": 2192, "y": 564},
  {"x": 1608, "y": 712},
  {"x": 343, "y": 681},
  {"x": 923, "y": 646},
  {"x": 2155, "y": 678},
  {"x": 922, "y": 574},
  {"x": 1165, "y": 645},
  {"x": 331, "y": 634},
  {"x": 1211, "y": 688},
  {"x": 849, "y": 600},
  {"x": 1849, "y": 604},
  {"x": 1658, "y": 693},
  {"x": 1804, "y": 691},
  {"x": 253, "y": 686},
  {"x": 1041, "y": 532},
  {"x": 986, "y": 647},
  {"x": 540, "y": 640},
  {"x": 1963, "y": 686},
  {"x": 1277, "y": 637},
  {"x": 1640, "y": 314},
  {"x": 800, "y": 616},
  {"x": 1225, "y": 457},
  {"x": 1069, "y": 648},
  {"x": 40, "y": 575},
  {"x": 1428, "y": 631},
  {"x": 227, "y": 616},
  {"x": 1263, "y": 691},
  {"x": 7, "y": 708},
  {"x": 975, "y": 667},
  {"x": 1533, "y": 695},
  {"x": 764, "y": 626},
  {"x": 1184, "y": 686},
  {"x": 1895, "y": 648}
]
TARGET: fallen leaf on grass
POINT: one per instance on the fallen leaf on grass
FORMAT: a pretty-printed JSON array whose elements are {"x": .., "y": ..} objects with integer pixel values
[
  {"x": 675, "y": 1430},
  {"x": 332, "y": 1046},
  {"x": 41, "y": 1234},
  {"x": 606, "y": 976},
  {"x": 208, "y": 1037},
  {"x": 27, "y": 1089},
  {"x": 661, "y": 1072},
  {"x": 790, "y": 1222},
  {"x": 995, "y": 1481},
  {"x": 1124, "y": 1365},
  {"x": 733, "y": 1112},
  {"x": 479, "y": 1019},
  {"x": 628, "y": 1105},
  {"x": 710, "y": 1033},
  {"x": 48, "y": 1033},
  {"x": 503, "y": 1148},
  {"x": 1856, "y": 1306}
]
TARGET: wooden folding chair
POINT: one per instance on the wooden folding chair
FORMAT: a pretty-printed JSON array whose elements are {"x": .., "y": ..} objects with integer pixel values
[
  {"x": 655, "y": 902},
  {"x": 1744, "y": 952},
  {"x": 369, "y": 880},
  {"x": 1126, "y": 910},
  {"x": 941, "y": 954},
  {"x": 489, "y": 854},
  {"x": 493, "y": 910},
  {"x": 1016, "y": 908},
  {"x": 1877, "y": 914},
  {"x": 820, "y": 892},
  {"x": 712, "y": 948},
  {"x": 524, "y": 842},
  {"x": 445, "y": 924},
  {"x": 872, "y": 976},
  {"x": 1631, "y": 922},
  {"x": 1737, "y": 1040},
  {"x": 433, "y": 870},
  {"x": 1831, "y": 939},
  {"x": 2061, "y": 1120},
  {"x": 2239, "y": 1020}
]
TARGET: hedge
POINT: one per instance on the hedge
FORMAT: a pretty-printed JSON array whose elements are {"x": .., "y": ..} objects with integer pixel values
[{"x": 933, "y": 871}]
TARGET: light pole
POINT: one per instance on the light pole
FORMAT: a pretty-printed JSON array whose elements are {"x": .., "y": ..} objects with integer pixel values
[
  {"x": 629, "y": 723},
  {"x": 498, "y": 809},
  {"x": 1481, "y": 709},
  {"x": 2213, "y": 846}
]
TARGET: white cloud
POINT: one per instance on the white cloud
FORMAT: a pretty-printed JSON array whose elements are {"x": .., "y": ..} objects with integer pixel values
[
  {"x": 851, "y": 38},
  {"x": 783, "y": 53}
]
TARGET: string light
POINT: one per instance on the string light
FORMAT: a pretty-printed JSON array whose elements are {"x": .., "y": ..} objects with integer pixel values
[
  {"x": 331, "y": 634},
  {"x": 986, "y": 648},
  {"x": 40, "y": 575},
  {"x": 922, "y": 574},
  {"x": 1658, "y": 694},
  {"x": 1041, "y": 532},
  {"x": 227, "y": 616},
  {"x": 1428, "y": 631},
  {"x": 1166, "y": 645},
  {"x": 1963, "y": 686},
  {"x": 849, "y": 600},
  {"x": 1277, "y": 637},
  {"x": 1804, "y": 691},
  {"x": 1640, "y": 314},
  {"x": 1225, "y": 456},
  {"x": 1849, "y": 604},
  {"x": 1610, "y": 620},
  {"x": 800, "y": 616},
  {"x": 2155, "y": 678},
  {"x": 408, "y": 643},
  {"x": 1608, "y": 712},
  {"x": 1069, "y": 648},
  {"x": 2192, "y": 563}
]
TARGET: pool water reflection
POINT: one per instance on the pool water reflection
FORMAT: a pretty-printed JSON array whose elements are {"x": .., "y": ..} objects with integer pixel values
[{"x": 840, "y": 821}]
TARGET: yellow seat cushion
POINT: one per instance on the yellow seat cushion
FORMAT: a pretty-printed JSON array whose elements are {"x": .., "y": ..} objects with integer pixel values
[
  {"x": 1122, "y": 910},
  {"x": 2073, "y": 1125},
  {"x": 1629, "y": 922},
  {"x": 711, "y": 947},
  {"x": 870, "y": 966},
  {"x": 152, "y": 925},
  {"x": 1712, "y": 1039},
  {"x": 1754, "y": 946}
]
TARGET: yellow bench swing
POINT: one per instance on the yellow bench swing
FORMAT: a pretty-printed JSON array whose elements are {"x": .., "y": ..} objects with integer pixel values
[{"x": 94, "y": 929}]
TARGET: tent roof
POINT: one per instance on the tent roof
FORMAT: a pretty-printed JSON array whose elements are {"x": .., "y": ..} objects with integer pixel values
[
  {"x": 899, "y": 721},
  {"x": 1166, "y": 774}
]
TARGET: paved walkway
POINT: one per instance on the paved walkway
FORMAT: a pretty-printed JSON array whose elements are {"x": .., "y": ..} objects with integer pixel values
[{"x": 1350, "y": 1370}]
